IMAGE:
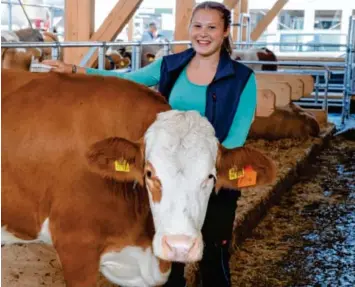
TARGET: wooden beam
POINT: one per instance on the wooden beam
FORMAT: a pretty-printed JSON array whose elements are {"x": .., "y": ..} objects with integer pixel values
[
  {"x": 297, "y": 86},
  {"x": 230, "y": 4},
  {"x": 183, "y": 15},
  {"x": 240, "y": 7},
  {"x": 266, "y": 101},
  {"x": 113, "y": 24},
  {"x": 282, "y": 91},
  {"x": 267, "y": 19},
  {"x": 244, "y": 8},
  {"x": 79, "y": 22},
  {"x": 130, "y": 30},
  {"x": 236, "y": 13},
  {"x": 306, "y": 87}
]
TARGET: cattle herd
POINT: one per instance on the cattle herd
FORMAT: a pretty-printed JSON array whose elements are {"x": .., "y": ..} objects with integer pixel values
[{"x": 104, "y": 170}]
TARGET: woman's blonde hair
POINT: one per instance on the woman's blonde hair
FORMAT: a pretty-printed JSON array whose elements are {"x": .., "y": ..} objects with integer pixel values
[{"x": 226, "y": 16}]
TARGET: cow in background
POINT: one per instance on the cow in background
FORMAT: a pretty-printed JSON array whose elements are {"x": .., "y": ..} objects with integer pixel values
[
  {"x": 112, "y": 177},
  {"x": 149, "y": 53},
  {"x": 21, "y": 58},
  {"x": 256, "y": 54},
  {"x": 115, "y": 61},
  {"x": 290, "y": 121},
  {"x": 47, "y": 52}
]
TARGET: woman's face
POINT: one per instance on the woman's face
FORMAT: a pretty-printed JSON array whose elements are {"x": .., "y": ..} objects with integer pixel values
[{"x": 207, "y": 31}]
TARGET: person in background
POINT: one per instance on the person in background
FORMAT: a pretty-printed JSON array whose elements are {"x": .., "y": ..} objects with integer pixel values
[
  {"x": 204, "y": 78},
  {"x": 151, "y": 34}
]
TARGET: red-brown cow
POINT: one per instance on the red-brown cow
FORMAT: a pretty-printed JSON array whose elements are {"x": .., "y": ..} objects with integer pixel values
[
  {"x": 257, "y": 54},
  {"x": 290, "y": 121},
  {"x": 104, "y": 170},
  {"x": 20, "y": 58}
]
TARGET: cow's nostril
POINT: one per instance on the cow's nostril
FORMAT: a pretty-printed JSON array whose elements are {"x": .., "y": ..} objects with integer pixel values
[
  {"x": 167, "y": 245},
  {"x": 179, "y": 243}
]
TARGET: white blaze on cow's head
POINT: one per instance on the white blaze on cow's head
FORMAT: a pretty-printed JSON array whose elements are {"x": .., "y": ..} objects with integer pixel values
[{"x": 180, "y": 162}]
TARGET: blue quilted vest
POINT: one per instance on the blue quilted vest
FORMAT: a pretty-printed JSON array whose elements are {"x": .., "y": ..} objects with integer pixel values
[{"x": 223, "y": 93}]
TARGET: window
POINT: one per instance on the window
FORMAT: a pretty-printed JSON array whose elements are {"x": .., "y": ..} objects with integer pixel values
[
  {"x": 327, "y": 19},
  {"x": 291, "y": 20},
  {"x": 255, "y": 16}
]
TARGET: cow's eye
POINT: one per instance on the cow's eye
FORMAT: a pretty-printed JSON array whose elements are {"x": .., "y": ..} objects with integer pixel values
[
  {"x": 211, "y": 176},
  {"x": 149, "y": 174}
]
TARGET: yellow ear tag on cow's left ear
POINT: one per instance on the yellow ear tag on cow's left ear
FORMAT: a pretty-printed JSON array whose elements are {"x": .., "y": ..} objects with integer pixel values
[
  {"x": 233, "y": 173},
  {"x": 122, "y": 166},
  {"x": 122, "y": 63}
]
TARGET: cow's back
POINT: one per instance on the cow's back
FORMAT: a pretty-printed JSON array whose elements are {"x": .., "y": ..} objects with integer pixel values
[
  {"x": 48, "y": 122},
  {"x": 285, "y": 122},
  {"x": 46, "y": 116}
]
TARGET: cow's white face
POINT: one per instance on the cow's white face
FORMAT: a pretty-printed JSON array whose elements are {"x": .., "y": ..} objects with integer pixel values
[
  {"x": 179, "y": 162},
  {"x": 180, "y": 173}
]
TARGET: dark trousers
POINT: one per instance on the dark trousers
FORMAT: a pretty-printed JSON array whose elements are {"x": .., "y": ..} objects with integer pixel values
[{"x": 217, "y": 234}]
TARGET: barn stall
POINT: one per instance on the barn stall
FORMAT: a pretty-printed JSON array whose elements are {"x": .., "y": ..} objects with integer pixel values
[{"x": 37, "y": 264}]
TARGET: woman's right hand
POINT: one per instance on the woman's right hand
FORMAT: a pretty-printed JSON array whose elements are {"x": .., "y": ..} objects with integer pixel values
[{"x": 59, "y": 66}]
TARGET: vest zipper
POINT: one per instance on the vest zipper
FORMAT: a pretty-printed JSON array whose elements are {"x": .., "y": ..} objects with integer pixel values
[{"x": 214, "y": 98}]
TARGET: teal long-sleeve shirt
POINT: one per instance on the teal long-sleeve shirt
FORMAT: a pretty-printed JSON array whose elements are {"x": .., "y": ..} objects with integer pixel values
[{"x": 186, "y": 95}]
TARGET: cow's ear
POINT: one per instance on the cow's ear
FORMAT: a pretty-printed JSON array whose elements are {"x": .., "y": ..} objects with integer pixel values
[
  {"x": 117, "y": 158},
  {"x": 150, "y": 57},
  {"x": 124, "y": 62},
  {"x": 243, "y": 167}
]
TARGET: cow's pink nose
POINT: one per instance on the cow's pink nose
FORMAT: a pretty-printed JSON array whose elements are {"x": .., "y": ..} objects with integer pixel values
[{"x": 182, "y": 248}]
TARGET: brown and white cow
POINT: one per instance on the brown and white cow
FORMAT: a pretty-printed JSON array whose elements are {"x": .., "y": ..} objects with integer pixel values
[
  {"x": 114, "y": 60},
  {"x": 290, "y": 121},
  {"x": 104, "y": 170},
  {"x": 256, "y": 54},
  {"x": 20, "y": 58}
]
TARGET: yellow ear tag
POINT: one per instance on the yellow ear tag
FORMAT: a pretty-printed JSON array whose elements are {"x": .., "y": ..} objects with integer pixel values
[
  {"x": 122, "y": 166},
  {"x": 122, "y": 63},
  {"x": 249, "y": 177},
  {"x": 233, "y": 173}
]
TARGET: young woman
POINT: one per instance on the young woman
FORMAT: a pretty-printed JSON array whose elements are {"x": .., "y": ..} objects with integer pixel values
[{"x": 206, "y": 79}]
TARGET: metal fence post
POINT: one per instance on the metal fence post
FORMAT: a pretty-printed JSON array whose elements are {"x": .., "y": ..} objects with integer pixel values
[
  {"x": 327, "y": 75},
  {"x": 348, "y": 70},
  {"x": 55, "y": 53},
  {"x": 317, "y": 90},
  {"x": 166, "y": 48},
  {"x": 241, "y": 25},
  {"x": 136, "y": 57},
  {"x": 101, "y": 56}
]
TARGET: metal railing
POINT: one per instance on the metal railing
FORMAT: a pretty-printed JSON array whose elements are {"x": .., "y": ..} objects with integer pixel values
[
  {"x": 348, "y": 65},
  {"x": 349, "y": 82}
]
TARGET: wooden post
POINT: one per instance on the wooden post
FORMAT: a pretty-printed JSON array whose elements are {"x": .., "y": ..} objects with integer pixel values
[
  {"x": 130, "y": 30},
  {"x": 79, "y": 25},
  {"x": 116, "y": 20},
  {"x": 236, "y": 13},
  {"x": 240, "y": 7},
  {"x": 244, "y": 8},
  {"x": 266, "y": 103},
  {"x": 267, "y": 19},
  {"x": 182, "y": 21},
  {"x": 230, "y": 4}
]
